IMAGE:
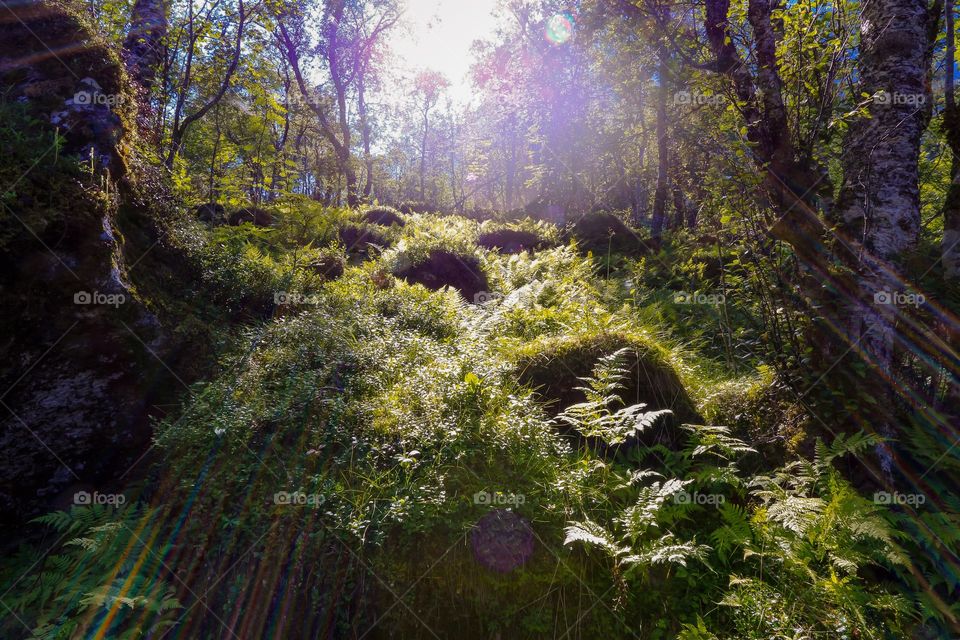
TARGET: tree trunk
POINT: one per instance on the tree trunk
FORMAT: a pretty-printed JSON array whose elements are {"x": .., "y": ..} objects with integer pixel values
[
  {"x": 950, "y": 248},
  {"x": 179, "y": 130},
  {"x": 423, "y": 152},
  {"x": 340, "y": 143},
  {"x": 951, "y": 125},
  {"x": 365, "y": 135},
  {"x": 663, "y": 156},
  {"x": 144, "y": 42},
  {"x": 878, "y": 209}
]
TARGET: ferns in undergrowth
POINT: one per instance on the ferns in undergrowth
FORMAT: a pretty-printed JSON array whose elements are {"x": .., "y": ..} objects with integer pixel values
[
  {"x": 792, "y": 554},
  {"x": 102, "y": 574}
]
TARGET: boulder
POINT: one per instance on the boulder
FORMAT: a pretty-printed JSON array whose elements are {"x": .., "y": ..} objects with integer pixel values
[
  {"x": 603, "y": 232},
  {"x": 414, "y": 206},
  {"x": 254, "y": 215},
  {"x": 328, "y": 266},
  {"x": 510, "y": 240},
  {"x": 553, "y": 368},
  {"x": 211, "y": 213},
  {"x": 383, "y": 216},
  {"x": 443, "y": 268},
  {"x": 360, "y": 240}
]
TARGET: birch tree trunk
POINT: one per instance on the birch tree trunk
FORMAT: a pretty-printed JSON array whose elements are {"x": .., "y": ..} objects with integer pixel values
[
  {"x": 951, "y": 125},
  {"x": 663, "y": 156},
  {"x": 144, "y": 43},
  {"x": 878, "y": 209}
]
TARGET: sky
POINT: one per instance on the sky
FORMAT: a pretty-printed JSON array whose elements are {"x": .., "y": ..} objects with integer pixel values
[{"x": 437, "y": 35}]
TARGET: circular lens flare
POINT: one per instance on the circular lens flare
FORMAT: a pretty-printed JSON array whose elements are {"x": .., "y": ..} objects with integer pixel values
[{"x": 560, "y": 28}]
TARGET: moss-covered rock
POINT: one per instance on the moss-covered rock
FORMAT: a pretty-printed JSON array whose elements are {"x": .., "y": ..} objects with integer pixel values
[
  {"x": 554, "y": 366},
  {"x": 85, "y": 360},
  {"x": 328, "y": 265},
  {"x": 443, "y": 268},
  {"x": 210, "y": 213},
  {"x": 766, "y": 414},
  {"x": 602, "y": 232},
  {"x": 256, "y": 216},
  {"x": 383, "y": 216},
  {"x": 415, "y": 206},
  {"x": 82, "y": 90},
  {"x": 510, "y": 240},
  {"x": 358, "y": 240}
]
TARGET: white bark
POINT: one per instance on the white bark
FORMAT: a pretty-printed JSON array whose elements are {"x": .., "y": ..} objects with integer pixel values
[{"x": 879, "y": 204}]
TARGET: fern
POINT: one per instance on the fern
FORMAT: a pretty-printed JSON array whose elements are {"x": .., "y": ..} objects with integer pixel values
[
  {"x": 597, "y": 416},
  {"x": 99, "y": 571}
]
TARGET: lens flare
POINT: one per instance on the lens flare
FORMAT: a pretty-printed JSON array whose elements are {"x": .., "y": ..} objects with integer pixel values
[{"x": 560, "y": 28}]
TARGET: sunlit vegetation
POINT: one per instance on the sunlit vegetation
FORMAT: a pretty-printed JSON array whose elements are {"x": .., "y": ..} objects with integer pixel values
[{"x": 655, "y": 337}]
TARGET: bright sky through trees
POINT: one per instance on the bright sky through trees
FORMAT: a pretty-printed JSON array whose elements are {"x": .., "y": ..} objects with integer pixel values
[{"x": 438, "y": 35}]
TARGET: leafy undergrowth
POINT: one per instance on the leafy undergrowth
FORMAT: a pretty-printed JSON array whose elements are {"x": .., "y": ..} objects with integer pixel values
[{"x": 369, "y": 464}]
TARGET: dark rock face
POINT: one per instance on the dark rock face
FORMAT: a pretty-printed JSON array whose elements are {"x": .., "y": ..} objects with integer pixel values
[
  {"x": 603, "y": 232},
  {"x": 79, "y": 359},
  {"x": 254, "y": 215},
  {"x": 510, "y": 240},
  {"x": 446, "y": 269},
  {"x": 81, "y": 90},
  {"x": 384, "y": 216},
  {"x": 502, "y": 541}
]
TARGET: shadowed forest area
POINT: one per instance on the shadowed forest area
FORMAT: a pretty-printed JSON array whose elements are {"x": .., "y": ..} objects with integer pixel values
[{"x": 493, "y": 319}]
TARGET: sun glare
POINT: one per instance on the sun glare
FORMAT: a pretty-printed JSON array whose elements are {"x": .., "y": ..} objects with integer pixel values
[{"x": 439, "y": 35}]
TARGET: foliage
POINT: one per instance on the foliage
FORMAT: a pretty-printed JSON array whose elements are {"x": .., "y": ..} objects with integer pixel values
[
  {"x": 786, "y": 553},
  {"x": 102, "y": 572}
]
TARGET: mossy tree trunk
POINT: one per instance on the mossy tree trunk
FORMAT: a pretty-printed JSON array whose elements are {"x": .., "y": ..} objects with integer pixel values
[{"x": 144, "y": 45}]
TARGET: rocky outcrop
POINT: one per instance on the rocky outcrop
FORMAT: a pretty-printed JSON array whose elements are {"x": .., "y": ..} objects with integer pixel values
[
  {"x": 601, "y": 233},
  {"x": 81, "y": 354}
]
